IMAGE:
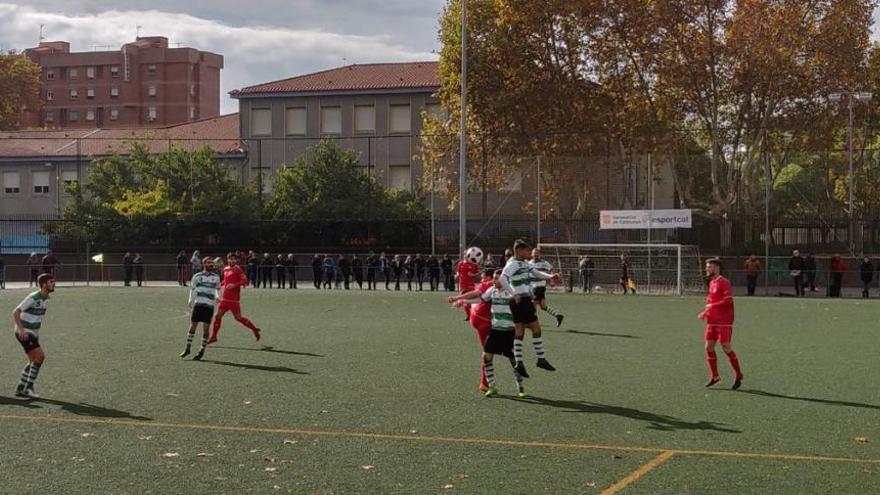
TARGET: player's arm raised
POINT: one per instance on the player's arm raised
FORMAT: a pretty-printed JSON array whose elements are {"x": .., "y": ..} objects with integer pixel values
[
  {"x": 554, "y": 278},
  {"x": 474, "y": 294}
]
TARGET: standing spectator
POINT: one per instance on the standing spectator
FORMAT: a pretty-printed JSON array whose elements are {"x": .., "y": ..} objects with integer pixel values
[
  {"x": 810, "y": 270},
  {"x": 181, "y": 262},
  {"x": 195, "y": 262},
  {"x": 587, "y": 267},
  {"x": 128, "y": 268},
  {"x": 329, "y": 271},
  {"x": 489, "y": 262},
  {"x": 357, "y": 268},
  {"x": 508, "y": 253},
  {"x": 410, "y": 271},
  {"x": 433, "y": 272},
  {"x": 837, "y": 268},
  {"x": 419, "y": 267},
  {"x": 266, "y": 265},
  {"x": 2, "y": 274},
  {"x": 49, "y": 262},
  {"x": 253, "y": 268},
  {"x": 372, "y": 264},
  {"x": 753, "y": 269},
  {"x": 317, "y": 270},
  {"x": 385, "y": 267},
  {"x": 867, "y": 274},
  {"x": 397, "y": 269},
  {"x": 448, "y": 275},
  {"x": 345, "y": 268},
  {"x": 138, "y": 263},
  {"x": 291, "y": 270},
  {"x": 33, "y": 263},
  {"x": 626, "y": 280},
  {"x": 281, "y": 270},
  {"x": 796, "y": 270}
]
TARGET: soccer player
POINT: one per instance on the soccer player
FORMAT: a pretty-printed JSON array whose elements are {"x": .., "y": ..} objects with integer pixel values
[
  {"x": 480, "y": 315},
  {"x": 719, "y": 323},
  {"x": 466, "y": 273},
  {"x": 203, "y": 295},
  {"x": 230, "y": 299},
  {"x": 28, "y": 317},
  {"x": 539, "y": 286},
  {"x": 516, "y": 279}
]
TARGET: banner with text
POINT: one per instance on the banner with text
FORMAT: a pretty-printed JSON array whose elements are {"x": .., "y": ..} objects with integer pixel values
[{"x": 645, "y": 219}]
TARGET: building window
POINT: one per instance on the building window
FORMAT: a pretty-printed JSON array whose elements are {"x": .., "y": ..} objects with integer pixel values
[
  {"x": 50, "y": 116},
  {"x": 400, "y": 120},
  {"x": 114, "y": 114},
  {"x": 399, "y": 177},
  {"x": 73, "y": 73},
  {"x": 364, "y": 118},
  {"x": 11, "y": 183},
  {"x": 114, "y": 71},
  {"x": 114, "y": 92},
  {"x": 69, "y": 177},
  {"x": 331, "y": 120},
  {"x": 151, "y": 69},
  {"x": 295, "y": 121},
  {"x": 151, "y": 90},
  {"x": 261, "y": 122},
  {"x": 90, "y": 93},
  {"x": 151, "y": 113},
  {"x": 73, "y": 115},
  {"x": 41, "y": 182},
  {"x": 73, "y": 94},
  {"x": 50, "y": 74},
  {"x": 90, "y": 72},
  {"x": 90, "y": 115},
  {"x": 50, "y": 95}
]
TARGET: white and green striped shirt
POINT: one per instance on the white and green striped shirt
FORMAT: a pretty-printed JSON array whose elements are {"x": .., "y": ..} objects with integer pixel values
[
  {"x": 32, "y": 308},
  {"x": 204, "y": 289},
  {"x": 541, "y": 265},
  {"x": 518, "y": 275},
  {"x": 502, "y": 316}
]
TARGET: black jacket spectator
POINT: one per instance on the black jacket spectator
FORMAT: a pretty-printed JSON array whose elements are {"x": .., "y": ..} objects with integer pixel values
[
  {"x": 128, "y": 268},
  {"x": 796, "y": 267},
  {"x": 448, "y": 275},
  {"x": 866, "y": 271},
  {"x": 357, "y": 269}
]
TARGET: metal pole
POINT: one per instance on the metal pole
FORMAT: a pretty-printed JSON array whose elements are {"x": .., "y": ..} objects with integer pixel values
[
  {"x": 767, "y": 179},
  {"x": 462, "y": 151},
  {"x": 850, "y": 176},
  {"x": 538, "y": 202},
  {"x": 433, "y": 247},
  {"x": 651, "y": 221}
]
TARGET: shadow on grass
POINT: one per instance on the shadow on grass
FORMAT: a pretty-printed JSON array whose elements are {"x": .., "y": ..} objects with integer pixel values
[
  {"x": 595, "y": 334},
  {"x": 79, "y": 409},
  {"x": 811, "y": 399},
  {"x": 656, "y": 421},
  {"x": 15, "y": 401},
  {"x": 268, "y": 349},
  {"x": 276, "y": 369}
]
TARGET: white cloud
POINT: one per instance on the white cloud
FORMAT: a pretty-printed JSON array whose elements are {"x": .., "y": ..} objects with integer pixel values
[{"x": 252, "y": 54}]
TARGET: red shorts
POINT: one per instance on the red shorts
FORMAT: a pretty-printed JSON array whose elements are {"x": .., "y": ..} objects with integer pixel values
[
  {"x": 234, "y": 306},
  {"x": 719, "y": 333}
]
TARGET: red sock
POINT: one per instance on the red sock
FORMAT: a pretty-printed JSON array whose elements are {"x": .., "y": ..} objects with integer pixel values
[
  {"x": 712, "y": 362},
  {"x": 244, "y": 321},
  {"x": 215, "y": 328},
  {"x": 734, "y": 363},
  {"x": 467, "y": 310},
  {"x": 483, "y": 382}
]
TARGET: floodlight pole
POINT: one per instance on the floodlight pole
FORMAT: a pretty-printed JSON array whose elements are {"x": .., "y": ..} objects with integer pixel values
[
  {"x": 462, "y": 148},
  {"x": 849, "y": 178},
  {"x": 538, "y": 202}
]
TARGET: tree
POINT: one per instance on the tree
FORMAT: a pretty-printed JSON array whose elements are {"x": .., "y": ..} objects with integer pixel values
[{"x": 20, "y": 86}]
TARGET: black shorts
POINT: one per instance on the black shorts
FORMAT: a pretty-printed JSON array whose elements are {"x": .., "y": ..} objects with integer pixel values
[
  {"x": 540, "y": 293},
  {"x": 30, "y": 343},
  {"x": 499, "y": 342},
  {"x": 524, "y": 311},
  {"x": 202, "y": 313}
]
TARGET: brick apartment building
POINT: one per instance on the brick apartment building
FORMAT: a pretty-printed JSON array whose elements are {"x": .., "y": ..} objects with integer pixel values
[{"x": 143, "y": 84}]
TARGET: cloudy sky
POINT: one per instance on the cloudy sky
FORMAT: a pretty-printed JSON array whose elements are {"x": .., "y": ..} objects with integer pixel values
[{"x": 261, "y": 40}]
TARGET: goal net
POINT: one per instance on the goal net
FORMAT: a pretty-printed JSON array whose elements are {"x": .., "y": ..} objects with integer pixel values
[{"x": 652, "y": 268}]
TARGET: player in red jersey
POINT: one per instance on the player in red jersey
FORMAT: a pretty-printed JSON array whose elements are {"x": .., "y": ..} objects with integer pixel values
[
  {"x": 480, "y": 315},
  {"x": 230, "y": 299},
  {"x": 719, "y": 323},
  {"x": 467, "y": 274}
]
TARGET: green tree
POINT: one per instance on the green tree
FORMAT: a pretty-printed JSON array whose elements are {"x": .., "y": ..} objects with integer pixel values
[{"x": 20, "y": 86}]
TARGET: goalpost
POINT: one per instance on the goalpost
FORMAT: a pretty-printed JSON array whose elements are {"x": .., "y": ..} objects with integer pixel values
[{"x": 654, "y": 268}]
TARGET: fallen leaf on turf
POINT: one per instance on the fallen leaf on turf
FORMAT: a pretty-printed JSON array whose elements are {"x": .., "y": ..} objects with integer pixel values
[
  {"x": 289, "y": 442},
  {"x": 247, "y": 402},
  {"x": 276, "y": 487},
  {"x": 204, "y": 454},
  {"x": 367, "y": 467},
  {"x": 269, "y": 459},
  {"x": 254, "y": 451},
  {"x": 448, "y": 487},
  {"x": 172, "y": 394},
  {"x": 413, "y": 431},
  {"x": 271, "y": 469},
  {"x": 324, "y": 411},
  {"x": 860, "y": 439},
  {"x": 145, "y": 438},
  {"x": 462, "y": 476},
  {"x": 171, "y": 454},
  {"x": 590, "y": 484},
  {"x": 87, "y": 435}
]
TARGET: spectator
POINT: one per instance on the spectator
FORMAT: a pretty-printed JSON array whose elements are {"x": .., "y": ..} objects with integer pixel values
[
  {"x": 138, "y": 263},
  {"x": 433, "y": 266},
  {"x": 49, "y": 262},
  {"x": 837, "y": 268},
  {"x": 329, "y": 271},
  {"x": 281, "y": 270},
  {"x": 372, "y": 264},
  {"x": 419, "y": 267},
  {"x": 128, "y": 268},
  {"x": 810, "y": 270},
  {"x": 385, "y": 267},
  {"x": 397, "y": 270},
  {"x": 291, "y": 270},
  {"x": 625, "y": 278},
  {"x": 410, "y": 270},
  {"x": 344, "y": 271},
  {"x": 253, "y": 268},
  {"x": 508, "y": 253},
  {"x": 317, "y": 270},
  {"x": 266, "y": 265},
  {"x": 33, "y": 263},
  {"x": 796, "y": 270},
  {"x": 195, "y": 262},
  {"x": 586, "y": 267},
  {"x": 357, "y": 269},
  {"x": 448, "y": 275},
  {"x": 753, "y": 269},
  {"x": 867, "y": 275},
  {"x": 2, "y": 274},
  {"x": 489, "y": 262},
  {"x": 181, "y": 263}
]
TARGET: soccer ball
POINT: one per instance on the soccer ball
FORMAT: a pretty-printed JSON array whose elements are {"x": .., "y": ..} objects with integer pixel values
[{"x": 474, "y": 255}]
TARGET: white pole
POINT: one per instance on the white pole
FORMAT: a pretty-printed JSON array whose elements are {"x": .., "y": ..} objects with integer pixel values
[
  {"x": 462, "y": 151},
  {"x": 651, "y": 221},
  {"x": 538, "y": 200},
  {"x": 433, "y": 247},
  {"x": 678, "y": 274},
  {"x": 849, "y": 180}
]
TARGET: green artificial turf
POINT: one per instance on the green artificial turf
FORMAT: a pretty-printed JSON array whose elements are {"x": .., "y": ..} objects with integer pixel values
[{"x": 376, "y": 392}]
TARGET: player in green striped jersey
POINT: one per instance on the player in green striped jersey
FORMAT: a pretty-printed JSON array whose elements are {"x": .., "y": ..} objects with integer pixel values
[
  {"x": 203, "y": 295},
  {"x": 539, "y": 286},
  {"x": 28, "y": 317}
]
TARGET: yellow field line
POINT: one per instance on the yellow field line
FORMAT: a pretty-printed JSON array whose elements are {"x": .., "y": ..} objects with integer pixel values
[
  {"x": 435, "y": 439},
  {"x": 638, "y": 473}
]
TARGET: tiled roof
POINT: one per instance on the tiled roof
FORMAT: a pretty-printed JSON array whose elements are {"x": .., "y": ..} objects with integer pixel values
[
  {"x": 220, "y": 133},
  {"x": 357, "y": 77}
]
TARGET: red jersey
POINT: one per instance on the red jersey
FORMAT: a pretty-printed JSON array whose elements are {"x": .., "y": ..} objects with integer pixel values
[
  {"x": 233, "y": 280},
  {"x": 721, "y": 297},
  {"x": 483, "y": 310},
  {"x": 467, "y": 272}
]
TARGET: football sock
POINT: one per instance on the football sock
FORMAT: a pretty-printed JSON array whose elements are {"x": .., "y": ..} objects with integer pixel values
[
  {"x": 248, "y": 323},
  {"x": 215, "y": 328},
  {"x": 712, "y": 362},
  {"x": 490, "y": 373},
  {"x": 189, "y": 340},
  {"x": 734, "y": 363},
  {"x": 483, "y": 381},
  {"x": 32, "y": 375},
  {"x": 552, "y": 311},
  {"x": 518, "y": 350},
  {"x": 204, "y": 343},
  {"x": 538, "y": 344},
  {"x": 24, "y": 375},
  {"x": 519, "y": 381}
]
